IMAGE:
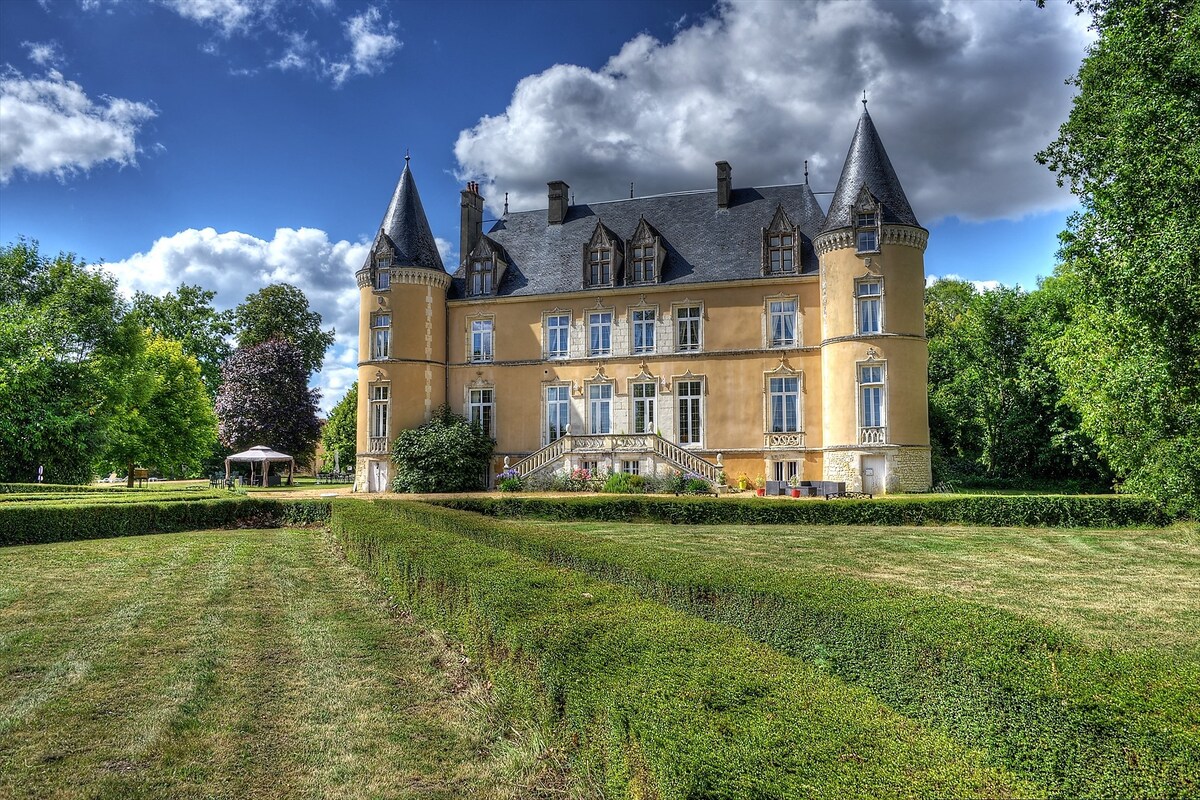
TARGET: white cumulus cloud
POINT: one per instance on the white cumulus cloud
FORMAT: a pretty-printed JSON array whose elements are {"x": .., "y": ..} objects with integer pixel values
[
  {"x": 372, "y": 43},
  {"x": 49, "y": 126},
  {"x": 228, "y": 16},
  {"x": 235, "y": 264},
  {"x": 44, "y": 54},
  {"x": 963, "y": 95}
]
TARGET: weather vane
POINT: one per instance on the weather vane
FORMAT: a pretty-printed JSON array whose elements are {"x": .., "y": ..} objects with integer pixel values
[{"x": 864, "y": 98}]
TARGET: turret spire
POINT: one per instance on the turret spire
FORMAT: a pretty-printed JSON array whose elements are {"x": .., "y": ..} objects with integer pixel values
[
  {"x": 867, "y": 164},
  {"x": 405, "y": 229}
]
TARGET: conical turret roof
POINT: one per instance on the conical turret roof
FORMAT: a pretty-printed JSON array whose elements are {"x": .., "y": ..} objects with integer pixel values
[
  {"x": 405, "y": 228},
  {"x": 867, "y": 163}
]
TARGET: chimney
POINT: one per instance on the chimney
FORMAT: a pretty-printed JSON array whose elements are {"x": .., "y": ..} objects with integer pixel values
[
  {"x": 558, "y": 202},
  {"x": 724, "y": 183},
  {"x": 470, "y": 221}
]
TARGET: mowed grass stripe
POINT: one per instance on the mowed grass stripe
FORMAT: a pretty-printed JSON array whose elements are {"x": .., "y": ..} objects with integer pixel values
[{"x": 227, "y": 664}]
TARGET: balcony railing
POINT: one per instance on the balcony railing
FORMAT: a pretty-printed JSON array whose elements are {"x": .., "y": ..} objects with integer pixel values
[
  {"x": 876, "y": 435},
  {"x": 379, "y": 444},
  {"x": 789, "y": 441}
]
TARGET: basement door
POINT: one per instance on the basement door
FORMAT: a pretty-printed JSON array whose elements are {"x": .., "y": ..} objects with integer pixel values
[
  {"x": 377, "y": 477},
  {"x": 872, "y": 474}
]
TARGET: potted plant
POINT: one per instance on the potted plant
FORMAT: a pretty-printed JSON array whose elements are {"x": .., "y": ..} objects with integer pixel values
[
  {"x": 760, "y": 485},
  {"x": 743, "y": 482},
  {"x": 794, "y": 481}
]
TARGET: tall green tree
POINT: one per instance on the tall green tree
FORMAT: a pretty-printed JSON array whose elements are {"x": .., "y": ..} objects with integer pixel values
[
  {"x": 280, "y": 311},
  {"x": 162, "y": 416},
  {"x": 340, "y": 434},
  {"x": 1130, "y": 261},
  {"x": 187, "y": 316},
  {"x": 61, "y": 328}
]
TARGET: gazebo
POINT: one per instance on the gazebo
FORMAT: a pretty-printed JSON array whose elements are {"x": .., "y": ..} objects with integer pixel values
[{"x": 263, "y": 455}]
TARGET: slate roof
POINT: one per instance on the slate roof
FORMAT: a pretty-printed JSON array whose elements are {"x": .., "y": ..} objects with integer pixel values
[
  {"x": 406, "y": 229},
  {"x": 867, "y": 162},
  {"x": 703, "y": 243}
]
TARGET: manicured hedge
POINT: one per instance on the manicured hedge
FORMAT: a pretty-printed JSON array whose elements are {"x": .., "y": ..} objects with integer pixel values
[
  {"x": 114, "y": 496},
  {"x": 1002, "y": 511},
  {"x": 44, "y": 488},
  {"x": 1080, "y": 722},
  {"x": 32, "y": 523},
  {"x": 642, "y": 700}
]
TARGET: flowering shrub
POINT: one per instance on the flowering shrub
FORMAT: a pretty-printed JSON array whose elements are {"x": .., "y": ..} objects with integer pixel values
[
  {"x": 624, "y": 483},
  {"x": 509, "y": 481}
]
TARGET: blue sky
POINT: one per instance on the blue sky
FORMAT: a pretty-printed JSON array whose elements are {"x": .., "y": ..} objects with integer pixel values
[{"x": 233, "y": 143}]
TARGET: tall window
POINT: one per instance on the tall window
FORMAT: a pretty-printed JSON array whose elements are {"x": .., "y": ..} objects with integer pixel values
[
  {"x": 870, "y": 299},
  {"x": 871, "y": 385},
  {"x": 481, "y": 277},
  {"x": 379, "y": 411},
  {"x": 381, "y": 335},
  {"x": 600, "y": 266},
  {"x": 786, "y": 470},
  {"x": 783, "y": 323},
  {"x": 481, "y": 408},
  {"x": 643, "y": 329},
  {"x": 688, "y": 393},
  {"x": 784, "y": 394},
  {"x": 383, "y": 272},
  {"x": 642, "y": 262},
  {"x": 558, "y": 412},
  {"x": 687, "y": 328},
  {"x": 781, "y": 252},
  {"x": 866, "y": 233},
  {"x": 600, "y": 333},
  {"x": 600, "y": 408},
  {"x": 558, "y": 329},
  {"x": 481, "y": 340},
  {"x": 645, "y": 396}
]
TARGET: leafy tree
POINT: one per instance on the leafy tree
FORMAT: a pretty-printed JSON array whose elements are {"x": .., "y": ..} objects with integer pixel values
[
  {"x": 340, "y": 434},
  {"x": 162, "y": 415},
  {"x": 188, "y": 317},
  {"x": 280, "y": 311},
  {"x": 446, "y": 454},
  {"x": 1129, "y": 356},
  {"x": 264, "y": 399},
  {"x": 61, "y": 326}
]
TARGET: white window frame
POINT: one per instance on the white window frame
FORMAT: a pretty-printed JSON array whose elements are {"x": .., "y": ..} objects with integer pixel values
[
  {"x": 631, "y": 466},
  {"x": 644, "y": 398},
  {"x": 597, "y": 324},
  {"x": 481, "y": 277},
  {"x": 647, "y": 326},
  {"x": 781, "y": 252},
  {"x": 481, "y": 407},
  {"x": 600, "y": 408},
  {"x": 483, "y": 331},
  {"x": 873, "y": 414},
  {"x": 383, "y": 275},
  {"x": 783, "y": 316},
  {"x": 786, "y": 470},
  {"x": 645, "y": 264},
  {"x": 379, "y": 400},
  {"x": 562, "y": 400},
  {"x": 685, "y": 344},
  {"x": 565, "y": 337},
  {"x": 866, "y": 224},
  {"x": 381, "y": 335},
  {"x": 777, "y": 387},
  {"x": 694, "y": 411},
  {"x": 863, "y": 301}
]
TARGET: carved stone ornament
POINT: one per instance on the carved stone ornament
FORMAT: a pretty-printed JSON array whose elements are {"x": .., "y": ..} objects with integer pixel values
[
  {"x": 872, "y": 354},
  {"x": 378, "y": 374}
]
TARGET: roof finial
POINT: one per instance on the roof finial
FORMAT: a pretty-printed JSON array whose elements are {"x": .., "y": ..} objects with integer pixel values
[
  {"x": 864, "y": 99},
  {"x": 631, "y": 190},
  {"x": 406, "y": 156},
  {"x": 806, "y": 172},
  {"x": 506, "y": 204}
]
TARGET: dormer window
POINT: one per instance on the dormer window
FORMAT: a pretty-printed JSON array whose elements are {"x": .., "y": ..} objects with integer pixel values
[
  {"x": 600, "y": 266},
  {"x": 643, "y": 263},
  {"x": 866, "y": 233},
  {"x": 482, "y": 274},
  {"x": 780, "y": 240},
  {"x": 383, "y": 273},
  {"x": 645, "y": 252},
  {"x": 601, "y": 258}
]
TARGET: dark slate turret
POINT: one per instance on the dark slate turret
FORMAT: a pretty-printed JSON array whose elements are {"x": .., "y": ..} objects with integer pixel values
[
  {"x": 867, "y": 163},
  {"x": 405, "y": 230}
]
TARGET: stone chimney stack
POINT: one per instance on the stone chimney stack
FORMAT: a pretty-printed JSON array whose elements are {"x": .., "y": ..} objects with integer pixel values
[
  {"x": 470, "y": 221},
  {"x": 724, "y": 183},
  {"x": 557, "y": 211}
]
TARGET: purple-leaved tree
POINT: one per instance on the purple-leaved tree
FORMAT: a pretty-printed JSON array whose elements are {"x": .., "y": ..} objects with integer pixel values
[{"x": 264, "y": 399}]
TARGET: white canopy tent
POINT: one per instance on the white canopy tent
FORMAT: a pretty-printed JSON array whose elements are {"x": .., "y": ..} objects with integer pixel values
[{"x": 263, "y": 455}]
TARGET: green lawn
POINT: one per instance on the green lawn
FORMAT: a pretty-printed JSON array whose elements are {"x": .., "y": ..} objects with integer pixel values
[
  {"x": 1126, "y": 589},
  {"x": 231, "y": 664}
]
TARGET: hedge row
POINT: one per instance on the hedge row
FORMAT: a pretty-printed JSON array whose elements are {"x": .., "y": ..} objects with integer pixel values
[
  {"x": 1001, "y": 511},
  {"x": 33, "y": 523},
  {"x": 117, "y": 496},
  {"x": 1077, "y": 721},
  {"x": 645, "y": 701},
  {"x": 45, "y": 488}
]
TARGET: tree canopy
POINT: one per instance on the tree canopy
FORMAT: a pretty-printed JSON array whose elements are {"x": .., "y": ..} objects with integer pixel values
[
  {"x": 280, "y": 311},
  {"x": 188, "y": 316},
  {"x": 340, "y": 434},
  {"x": 1129, "y": 356},
  {"x": 264, "y": 399}
]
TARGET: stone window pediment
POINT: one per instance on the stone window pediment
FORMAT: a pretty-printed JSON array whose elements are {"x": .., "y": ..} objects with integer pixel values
[
  {"x": 781, "y": 245},
  {"x": 602, "y": 258},
  {"x": 646, "y": 255}
]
